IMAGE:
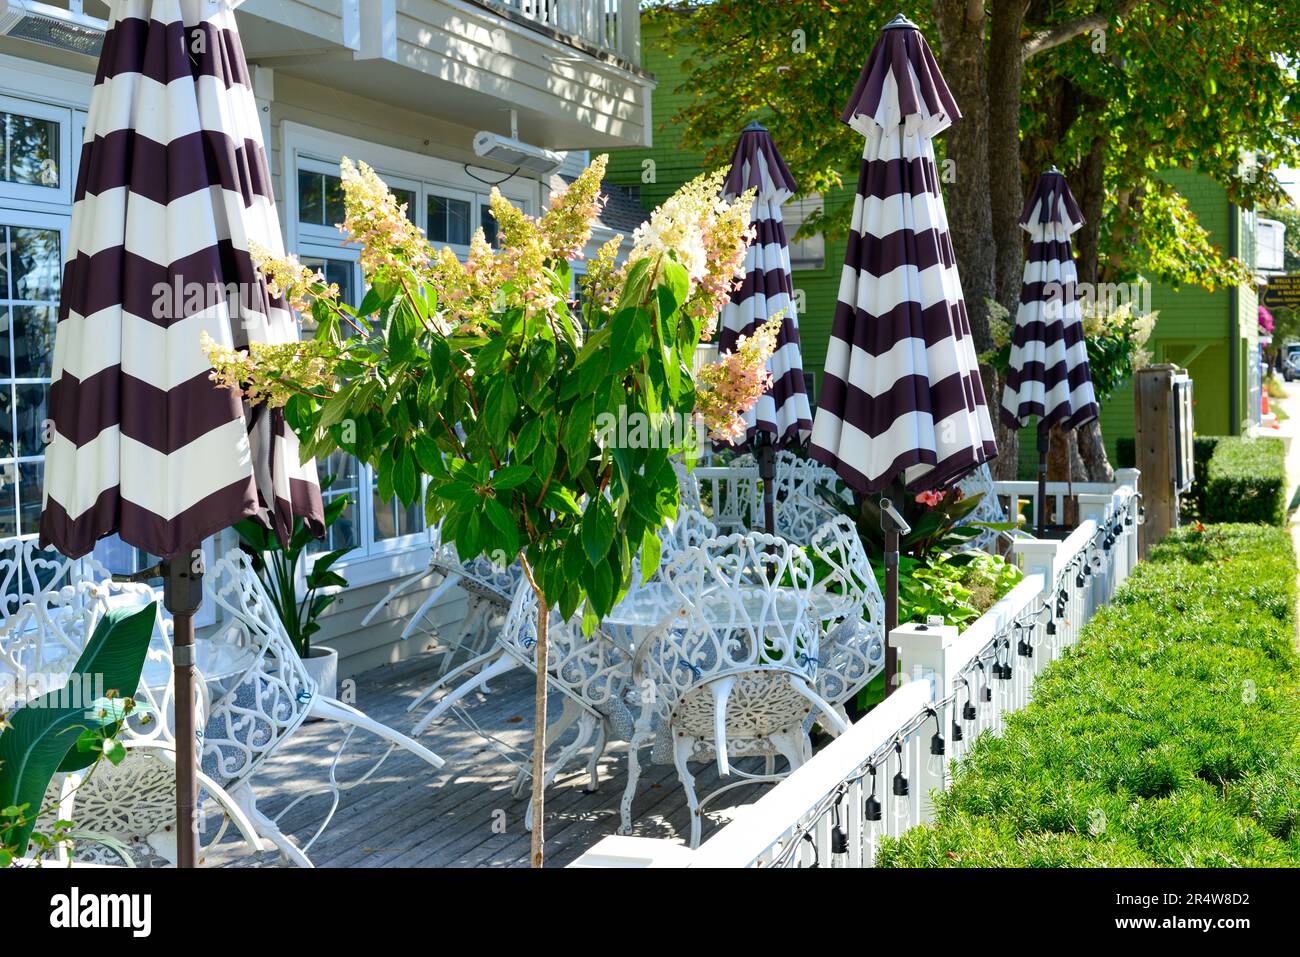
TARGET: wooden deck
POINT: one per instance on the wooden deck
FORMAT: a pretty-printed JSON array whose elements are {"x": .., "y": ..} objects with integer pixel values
[{"x": 408, "y": 815}]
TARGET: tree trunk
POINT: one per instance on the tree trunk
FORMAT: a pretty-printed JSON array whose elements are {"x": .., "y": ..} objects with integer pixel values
[
  {"x": 539, "y": 718},
  {"x": 1092, "y": 451},
  {"x": 1006, "y": 182},
  {"x": 965, "y": 175}
]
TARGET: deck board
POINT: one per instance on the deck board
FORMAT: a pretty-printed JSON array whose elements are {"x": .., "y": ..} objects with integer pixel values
[{"x": 409, "y": 815}]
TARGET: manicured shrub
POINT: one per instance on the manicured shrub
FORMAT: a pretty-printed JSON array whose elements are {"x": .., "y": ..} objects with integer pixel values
[
  {"x": 1166, "y": 737},
  {"x": 1192, "y": 504},
  {"x": 1125, "y": 452},
  {"x": 1245, "y": 481}
]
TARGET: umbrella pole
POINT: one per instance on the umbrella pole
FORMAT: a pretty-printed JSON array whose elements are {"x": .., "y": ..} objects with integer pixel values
[
  {"x": 891, "y": 529},
  {"x": 1040, "y": 510},
  {"x": 767, "y": 472},
  {"x": 182, "y": 596}
]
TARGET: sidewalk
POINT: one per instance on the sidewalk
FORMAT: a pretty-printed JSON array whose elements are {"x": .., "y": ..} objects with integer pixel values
[{"x": 1289, "y": 432}]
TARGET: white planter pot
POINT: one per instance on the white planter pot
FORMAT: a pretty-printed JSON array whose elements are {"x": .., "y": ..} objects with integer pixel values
[{"x": 323, "y": 665}]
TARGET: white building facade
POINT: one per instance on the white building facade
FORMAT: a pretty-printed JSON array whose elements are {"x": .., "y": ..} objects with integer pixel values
[{"x": 403, "y": 85}]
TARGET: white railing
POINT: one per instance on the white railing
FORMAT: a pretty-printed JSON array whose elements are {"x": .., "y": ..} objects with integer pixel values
[
  {"x": 876, "y": 780},
  {"x": 612, "y": 25}
]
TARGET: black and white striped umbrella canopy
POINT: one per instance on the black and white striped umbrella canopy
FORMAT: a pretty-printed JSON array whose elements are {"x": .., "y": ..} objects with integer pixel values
[
  {"x": 782, "y": 412},
  {"x": 1047, "y": 375},
  {"x": 901, "y": 398},
  {"x": 173, "y": 186}
]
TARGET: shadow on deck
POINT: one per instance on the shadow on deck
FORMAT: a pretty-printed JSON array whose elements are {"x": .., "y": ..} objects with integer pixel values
[{"x": 408, "y": 815}]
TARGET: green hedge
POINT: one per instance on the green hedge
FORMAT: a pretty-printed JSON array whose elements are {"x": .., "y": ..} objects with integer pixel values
[
  {"x": 1245, "y": 481},
  {"x": 1166, "y": 737}
]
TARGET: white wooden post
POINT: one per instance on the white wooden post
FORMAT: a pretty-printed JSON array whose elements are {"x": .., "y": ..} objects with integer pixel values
[
  {"x": 1130, "y": 478},
  {"x": 629, "y": 31},
  {"x": 1038, "y": 557},
  {"x": 1098, "y": 507},
  {"x": 923, "y": 655}
]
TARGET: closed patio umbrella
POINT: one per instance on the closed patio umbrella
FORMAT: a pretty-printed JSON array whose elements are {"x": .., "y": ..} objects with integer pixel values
[
  {"x": 172, "y": 189},
  {"x": 1047, "y": 375},
  {"x": 901, "y": 403},
  {"x": 781, "y": 417}
]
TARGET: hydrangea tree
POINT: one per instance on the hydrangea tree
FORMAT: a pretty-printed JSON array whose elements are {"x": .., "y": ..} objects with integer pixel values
[{"x": 481, "y": 377}]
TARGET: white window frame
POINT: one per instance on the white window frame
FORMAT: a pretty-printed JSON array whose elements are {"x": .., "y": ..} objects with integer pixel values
[
  {"x": 40, "y": 197},
  {"x": 794, "y": 213}
]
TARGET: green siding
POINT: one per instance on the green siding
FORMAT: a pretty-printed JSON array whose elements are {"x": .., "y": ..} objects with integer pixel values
[{"x": 1194, "y": 325}]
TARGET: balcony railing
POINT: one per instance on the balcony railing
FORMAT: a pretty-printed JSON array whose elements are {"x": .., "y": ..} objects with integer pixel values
[{"x": 610, "y": 26}]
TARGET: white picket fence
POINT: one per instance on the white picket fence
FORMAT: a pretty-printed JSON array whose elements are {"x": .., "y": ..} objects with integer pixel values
[{"x": 876, "y": 780}]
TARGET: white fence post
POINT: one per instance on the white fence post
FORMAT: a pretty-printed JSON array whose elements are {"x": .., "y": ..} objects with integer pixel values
[
  {"x": 1098, "y": 508},
  {"x": 923, "y": 655},
  {"x": 1129, "y": 478}
]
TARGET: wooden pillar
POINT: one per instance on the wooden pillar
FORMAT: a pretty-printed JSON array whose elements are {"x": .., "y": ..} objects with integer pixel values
[{"x": 1155, "y": 444}]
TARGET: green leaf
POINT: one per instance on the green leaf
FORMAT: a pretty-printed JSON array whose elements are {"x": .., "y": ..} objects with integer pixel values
[
  {"x": 42, "y": 736},
  {"x": 499, "y": 411},
  {"x": 526, "y": 441},
  {"x": 650, "y": 549},
  {"x": 511, "y": 476},
  {"x": 629, "y": 339},
  {"x": 597, "y": 530},
  {"x": 576, "y": 435},
  {"x": 503, "y": 523}
]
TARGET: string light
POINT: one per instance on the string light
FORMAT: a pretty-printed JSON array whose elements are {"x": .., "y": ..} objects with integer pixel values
[
  {"x": 936, "y": 742},
  {"x": 900, "y": 787},
  {"x": 839, "y": 837},
  {"x": 871, "y": 807}
]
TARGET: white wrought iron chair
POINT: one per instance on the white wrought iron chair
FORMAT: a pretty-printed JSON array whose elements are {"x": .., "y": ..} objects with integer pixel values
[
  {"x": 489, "y": 589},
  {"x": 853, "y": 646},
  {"x": 590, "y": 673},
  {"x": 264, "y": 700},
  {"x": 270, "y": 700},
  {"x": 122, "y": 813},
  {"x": 731, "y": 672}
]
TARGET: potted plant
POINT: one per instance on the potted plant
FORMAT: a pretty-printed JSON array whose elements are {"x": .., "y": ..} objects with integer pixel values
[{"x": 277, "y": 566}]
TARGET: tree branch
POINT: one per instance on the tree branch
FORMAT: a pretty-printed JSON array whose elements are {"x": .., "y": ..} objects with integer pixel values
[{"x": 1041, "y": 40}]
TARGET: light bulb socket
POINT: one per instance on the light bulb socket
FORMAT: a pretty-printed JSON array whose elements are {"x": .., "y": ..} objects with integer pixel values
[
  {"x": 900, "y": 785},
  {"x": 937, "y": 744},
  {"x": 839, "y": 840},
  {"x": 957, "y": 733},
  {"x": 871, "y": 808},
  {"x": 968, "y": 712}
]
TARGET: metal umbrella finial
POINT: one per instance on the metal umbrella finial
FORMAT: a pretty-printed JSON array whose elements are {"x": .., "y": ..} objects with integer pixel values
[
  {"x": 900, "y": 22},
  {"x": 755, "y": 127}
]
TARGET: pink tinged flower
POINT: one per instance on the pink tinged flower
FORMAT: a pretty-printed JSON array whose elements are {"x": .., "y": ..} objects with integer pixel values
[{"x": 930, "y": 499}]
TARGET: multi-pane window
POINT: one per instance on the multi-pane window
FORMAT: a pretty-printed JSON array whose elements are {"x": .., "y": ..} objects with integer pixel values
[
  {"x": 31, "y": 259},
  {"x": 809, "y": 253}
]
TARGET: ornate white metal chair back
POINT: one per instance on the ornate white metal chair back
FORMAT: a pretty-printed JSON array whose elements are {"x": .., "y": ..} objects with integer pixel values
[
  {"x": 27, "y": 570},
  {"x": 742, "y": 605},
  {"x": 854, "y": 647},
  {"x": 799, "y": 509},
  {"x": 41, "y": 642},
  {"x": 988, "y": 510},
  {"x": 274, "y": 693},
  {"x": 591, "y": 671}
]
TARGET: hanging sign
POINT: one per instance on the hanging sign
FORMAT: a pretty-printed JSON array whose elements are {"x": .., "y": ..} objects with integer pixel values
[{"x": 1282, "y": 292}]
